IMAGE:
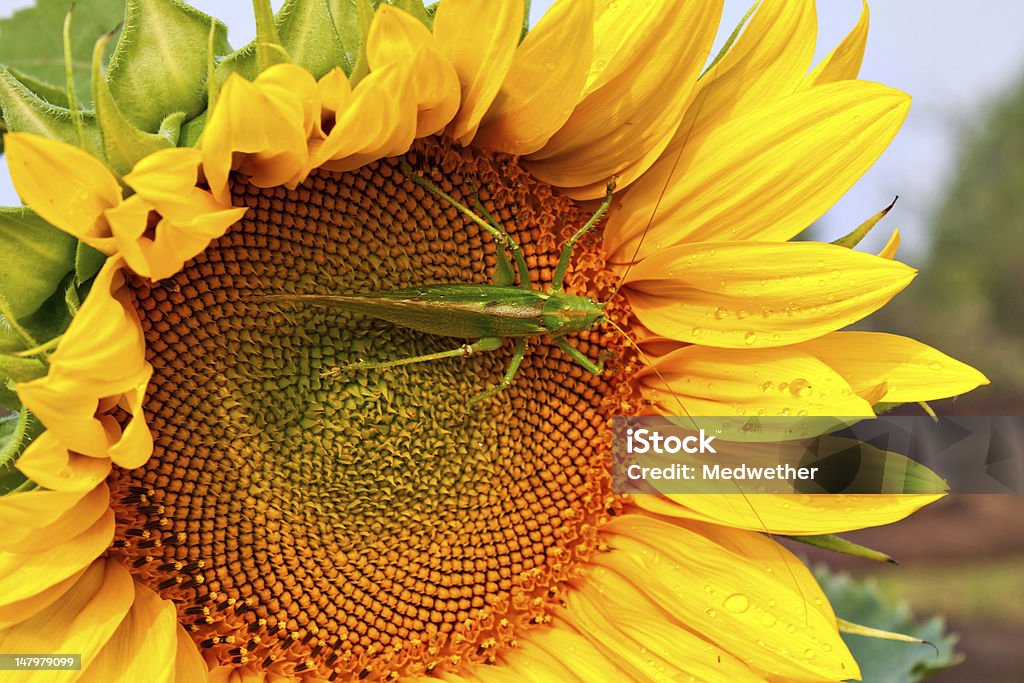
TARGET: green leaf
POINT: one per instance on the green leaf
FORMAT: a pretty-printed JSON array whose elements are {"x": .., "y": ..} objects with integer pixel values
[
  {"x": 886, "y": 661},
  {"x": 16, "y": 432},
  {"x": 20, "y": 369},
  {"x": 31, "y": 40},
  {"x": 49, "y": 321},
  {"x": 159, "y": 65},
  {"x": 49, "y": 92},
  {"x": 37, "y": 256},
  {"x": 308, "y": 34},
  {"x": 88, "y": 262}
]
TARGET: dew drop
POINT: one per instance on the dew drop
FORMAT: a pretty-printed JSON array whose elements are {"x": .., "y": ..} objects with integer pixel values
[
  {"x": 711, "y": 613},
  {"x": 767, "y": 386},
  {"x": 737, "y": 602},
  {"x": 65, "y": 473},
  {"x": 721, "y": 313},
  {"x": 750, "y": 338},
  {"x": 696, "y": 331},
  {"x": 741, "y": 314},
  {"x": 768, "y": 619},
  {"x": 801, "y": 388}
]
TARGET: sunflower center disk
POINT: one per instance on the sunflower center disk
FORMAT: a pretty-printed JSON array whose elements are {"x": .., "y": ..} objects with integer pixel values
[{"x": 371, "y": 524}]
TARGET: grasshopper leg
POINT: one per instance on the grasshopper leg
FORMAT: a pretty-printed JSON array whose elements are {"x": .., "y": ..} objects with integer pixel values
[
  {"x": 485, "y": 344},
  {"x": 577, "y": 355},
  {"x": 506, "y": 381}
]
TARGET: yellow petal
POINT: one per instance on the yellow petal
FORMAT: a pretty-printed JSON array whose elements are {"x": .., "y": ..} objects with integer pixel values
[
  {"x": 101, "y": 356},
  {"x": 912, "y": 371},
  {"x": 25, "y": 574},
  {"x": 750, "y": 294},
  {"x": 725, "y": 584},
  {"x": 642, "y": 79},
  {"x": 397, "y": 37},
  {"x": 704, "y": 381},
  {"x": 83, "y": 620},
  {"x": 631, "y": 630},
  {"x": 265, "y": 123},
  {"x": 545, "y": 81},
  {"x": 479, "y": 38},
  {"x": 52, "y": 466},
  {"x": 37, "y": 508},
  {"x": 76, "y": 521},
  {"x": 379, "y": 121},
  {"x": 890, "y": 248},
  {"x": 334, "y": 93},
  {"x": 565, "y": 644},
  {"x": 766, "y": 175},
  {"x": 143, "y": 647},
  {"x": 13, "y": 613},
  {"x": 188, "y": 663},
  {"x": 68, "y": 187},
  {"x": 843, "y": 63},
  {"x": 789, "y": 514}
]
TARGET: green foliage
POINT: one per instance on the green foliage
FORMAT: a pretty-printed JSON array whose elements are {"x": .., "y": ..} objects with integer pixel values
[
  {"x": 31, "y": 40},
  {"x": 16, "y": 432},
  {"x": 886, "y": 661}
]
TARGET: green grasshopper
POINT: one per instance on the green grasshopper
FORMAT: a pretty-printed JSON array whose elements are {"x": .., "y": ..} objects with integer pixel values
[{"x": 491, "y": 312}]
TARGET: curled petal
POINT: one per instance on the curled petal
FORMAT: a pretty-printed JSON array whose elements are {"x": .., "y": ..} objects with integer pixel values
[
  {"x": 379, "y": 121},
  {"x": 751, "y": 294},
  {"x": 99, "y": 363},
  {"x": 260, "y": 128},
  {"x": 544, "y": 83},
  {"x": 52, "y": 466},
  {"x": 910, "y": 370},
  {"x": 397, "y": 37},
  {"x": 479, "y": 38},
  {"x": 68, "y": 187}
]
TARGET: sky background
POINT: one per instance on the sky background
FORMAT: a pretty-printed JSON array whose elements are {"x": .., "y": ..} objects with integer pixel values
[{"x": 952, "y": 57}]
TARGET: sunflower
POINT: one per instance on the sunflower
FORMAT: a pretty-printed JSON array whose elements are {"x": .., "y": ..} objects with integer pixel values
[{"x": 212, "y": 504}]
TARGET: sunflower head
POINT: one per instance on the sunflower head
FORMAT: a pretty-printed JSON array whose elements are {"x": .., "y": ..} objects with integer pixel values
[{"x": 220, "y": 481}]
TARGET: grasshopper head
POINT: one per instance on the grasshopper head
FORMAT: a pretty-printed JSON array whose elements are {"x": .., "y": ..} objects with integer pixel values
[{"x": 568, "y": 313}]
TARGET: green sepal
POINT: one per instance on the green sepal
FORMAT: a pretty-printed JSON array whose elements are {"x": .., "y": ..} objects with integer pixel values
[
  {"x": 526, "y": 20},
  {"x": 861, "y": 231},
  {"x": 193, "y": 130},
  {"x": 37, "y": 257},
  {"x": 25, "y": 112},
  {"x": 307, "y": 32},
  {"x": 885, "y": 660},
  {"x": 242, "y": 62},
  {"x": 352, "y": 21},
  {"x": 159, "y": 64},
  {"x": 835, "y": 544},
  {"x": 417, "y": 9},
  {"x": 16, "y": 433},
  {"x": 88, "y": 262},
  {"x": 730, "y": 40},
  {"x": 17, "y": 369},
  {"x": 124, "y": 143},
  {"x": 46, "y": 91}
]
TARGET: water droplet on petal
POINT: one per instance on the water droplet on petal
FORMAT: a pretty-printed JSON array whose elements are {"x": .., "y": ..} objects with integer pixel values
[
  {"x": 737, "y": 602},
  {"x": 750, "y": 338},
  {"x": 721, "y": 313},
  {"x": 801, "y": 388},
  {"x": 767, "y": 386}
]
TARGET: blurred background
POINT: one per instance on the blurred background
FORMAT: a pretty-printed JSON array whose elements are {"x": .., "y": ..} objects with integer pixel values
[{"x": 958, "y": 167}]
